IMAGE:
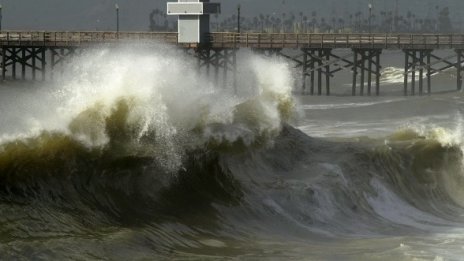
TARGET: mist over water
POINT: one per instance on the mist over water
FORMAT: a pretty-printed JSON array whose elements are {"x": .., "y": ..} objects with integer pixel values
[{"x": 135, "y": 155}]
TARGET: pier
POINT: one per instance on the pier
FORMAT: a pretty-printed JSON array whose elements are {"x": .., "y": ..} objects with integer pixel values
[
  {"x": 25, "y": 55},
  {"x": 43, "y": 51},
  {"x": 40, "y": 52}
]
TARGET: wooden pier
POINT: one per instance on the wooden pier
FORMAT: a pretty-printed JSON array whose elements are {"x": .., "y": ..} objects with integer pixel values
[{"x": 37, "y": 52}]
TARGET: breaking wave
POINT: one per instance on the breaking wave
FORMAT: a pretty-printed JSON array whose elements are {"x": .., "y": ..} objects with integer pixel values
[
  {"x": 394, "y": 75},
  {"x": 138, "y": 156}
]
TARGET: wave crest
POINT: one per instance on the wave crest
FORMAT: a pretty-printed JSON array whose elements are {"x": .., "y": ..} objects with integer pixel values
[{"x": 156, "y": 104}]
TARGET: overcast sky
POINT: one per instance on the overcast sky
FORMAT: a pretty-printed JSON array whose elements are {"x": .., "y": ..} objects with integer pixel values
[{"x": 100, "y": 14}]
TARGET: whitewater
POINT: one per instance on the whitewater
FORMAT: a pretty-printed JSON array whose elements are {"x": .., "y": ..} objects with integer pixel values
[{"x": 135, "y": 155}]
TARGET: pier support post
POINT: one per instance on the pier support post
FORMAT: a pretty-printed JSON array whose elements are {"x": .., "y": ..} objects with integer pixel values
[
  {"x": 421, "y": 72},
  {"x": 44, "y": 63},
  {"x": 363, "y": 69},
  {"x": 327, "y": 72},
  {"x": 225, "y": 63},
  {"x": 459, "y": 70},
  {"x": 377, "y": 74},
  {"x": 3, "y": 63},
  {"x": 319, "y": 72},
  {"x": 62, "y": 54},
  {"x": 429, "y": 73},
  {"x": 406, "y": 72},
  {"x": 234, "y": 69},
  {"x": 372, "y": 58},
  {"x": 312, "y": 64},
  {"x": 199, "y": 63},
  {"x": 208, "y": 64},
  {"x": 355, "y": 72},
  {"x": 218, "y": 58},
  {"x": 369, "y": 76},
  {"x": 23, "y": 63},
  {"x": 304, "y": 72},
  {"x": 418, "y": 60},
  {"x": 34, "y": 67},
  {"x": 14, "y": 59},
  {"x": 315, "y": 63},
  {"x": 413, "y": 69},
  {"x": 52, "y": 63}
]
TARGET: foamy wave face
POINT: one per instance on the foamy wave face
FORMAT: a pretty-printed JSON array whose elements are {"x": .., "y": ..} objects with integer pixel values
[
  {"x": 155, "y": 102},
  {"x": 395, "y": 75},
  {"x": 437, "y": 144},
  {"x": 446, "y": 137},
  {"x": 392, "y": 75}
]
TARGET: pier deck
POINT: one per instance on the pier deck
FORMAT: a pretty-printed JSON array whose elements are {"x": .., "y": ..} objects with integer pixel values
[{"x": 241, "y": 40}]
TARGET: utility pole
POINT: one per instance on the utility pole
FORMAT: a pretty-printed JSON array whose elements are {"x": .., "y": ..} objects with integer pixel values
[{"x": 238, "y": 19}]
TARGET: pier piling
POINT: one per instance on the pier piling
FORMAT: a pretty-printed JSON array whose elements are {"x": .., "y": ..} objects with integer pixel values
[
  {"x": 372, "y": 58},
  {"x": 459, "y": 69}
]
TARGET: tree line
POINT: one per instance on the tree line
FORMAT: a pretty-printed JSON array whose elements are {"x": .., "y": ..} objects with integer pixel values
[{"x": 290, "y": 22}]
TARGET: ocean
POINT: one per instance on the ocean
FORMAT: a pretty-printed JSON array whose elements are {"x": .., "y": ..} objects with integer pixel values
[{"x": 134, "y": 155}]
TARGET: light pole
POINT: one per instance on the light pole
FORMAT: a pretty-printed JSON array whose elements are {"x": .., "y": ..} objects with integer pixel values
[
  {"x": 370, "y": 18},
  {"x": 238, "y": 19},
  {"x": 1, "y": 16},
  {"x": 116, "y": 6}
]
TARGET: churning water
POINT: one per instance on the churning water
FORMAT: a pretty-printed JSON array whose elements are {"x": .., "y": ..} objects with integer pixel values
[{"x": 133, "y": 155}]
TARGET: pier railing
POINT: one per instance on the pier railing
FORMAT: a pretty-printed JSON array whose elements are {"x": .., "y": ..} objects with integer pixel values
[
  {"x": 241, "y": 40},
  {"x": 24, "y": 38},
  {"x": 383, "y": 41}
]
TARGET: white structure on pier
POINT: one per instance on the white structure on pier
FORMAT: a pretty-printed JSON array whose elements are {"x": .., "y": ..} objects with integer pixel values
[{"x": 193, "y": 23}]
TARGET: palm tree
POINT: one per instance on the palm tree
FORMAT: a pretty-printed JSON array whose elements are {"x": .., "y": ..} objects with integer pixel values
[
  {"x": 323, "y": 25},
  {"x": 314, "y": 20},
  {"x": 255, "y": 22},
  {"x": 305, "y": 21},
  {"x": 351, "y": 21},
  {"x": 261, "y": 17},
  {"x": 300, "y": 27},
  {"x": 341, "y": 24},
  {"x": 409, "y": 16}
]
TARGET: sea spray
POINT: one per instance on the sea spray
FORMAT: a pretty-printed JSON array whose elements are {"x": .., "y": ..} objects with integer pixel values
[{"x": 154, "y": 103}]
